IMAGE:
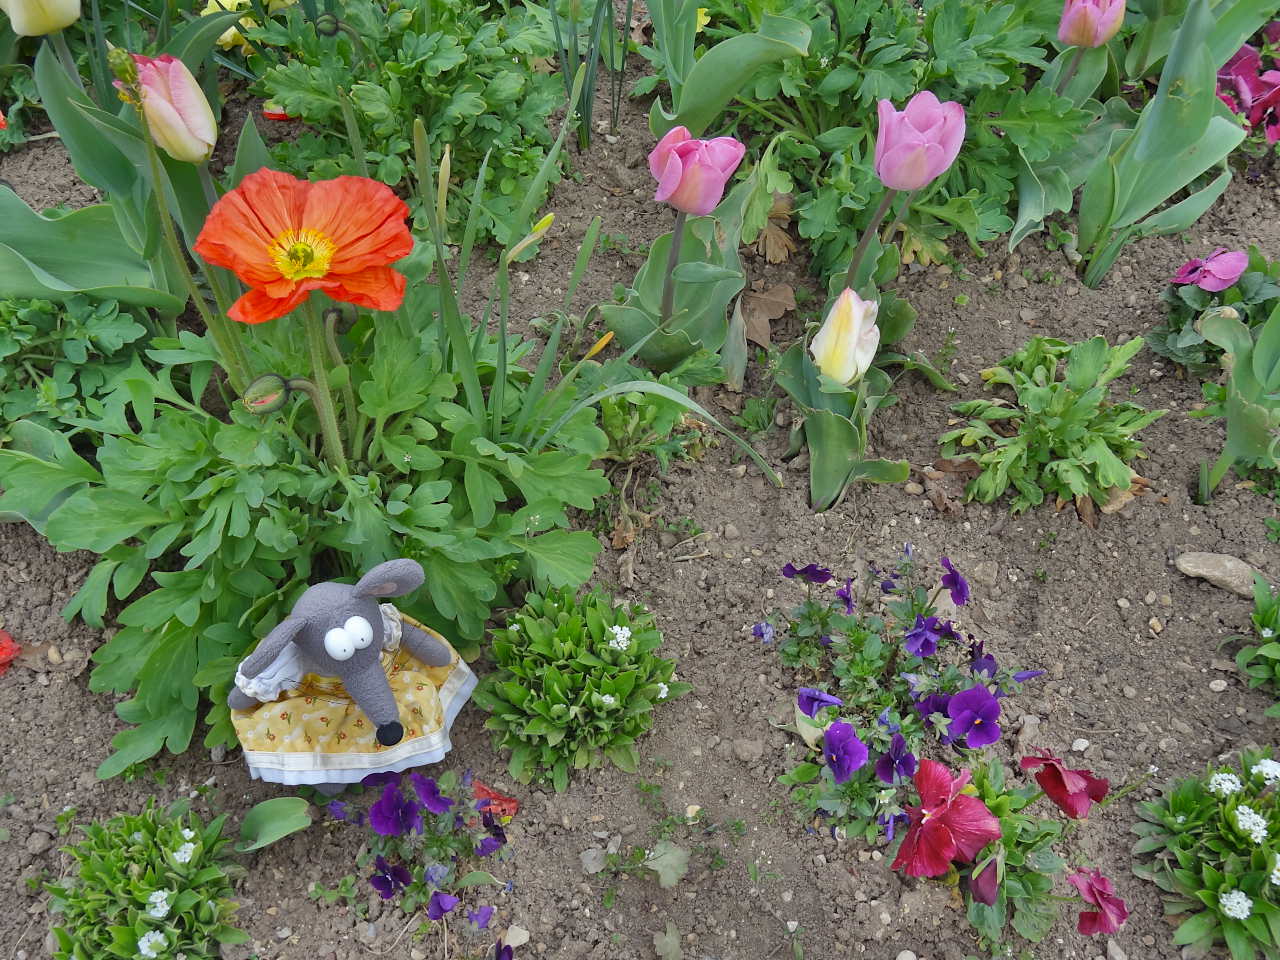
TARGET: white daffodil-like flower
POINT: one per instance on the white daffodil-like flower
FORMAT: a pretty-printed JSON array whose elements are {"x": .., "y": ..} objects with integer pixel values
[
  {"x": 1252, "y": 823},
  {"x": 1268, "y": 769},
  {"x": 1225, "y": 784},
  {"x": 150, "y": 944},
  {"x": 158, "y": 904},
  {"x": 663, "y": 690},
  {"x": 1267, "y": 633},
  {"x": 184, "y": 853},
  {"x": 607, "y": 699},
  {"x": 1235, "y": 904}
]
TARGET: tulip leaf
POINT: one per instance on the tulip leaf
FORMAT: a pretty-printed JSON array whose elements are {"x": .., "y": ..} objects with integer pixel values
[
  {"x": 724, "y": 70},
  {"x": 251, "y": 154},
  {"x": 704, "y": 273},
  {"x": 81, "y": 252},
  {"x": 271, "y": 820},
  {"x": 193, "y": 42}
]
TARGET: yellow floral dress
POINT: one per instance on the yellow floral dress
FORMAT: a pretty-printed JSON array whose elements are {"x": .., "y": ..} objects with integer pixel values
[{"x": 315, "y": 733}]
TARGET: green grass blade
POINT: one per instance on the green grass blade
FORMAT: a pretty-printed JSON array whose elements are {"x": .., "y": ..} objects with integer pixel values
[{"x": 585, "y": 250}]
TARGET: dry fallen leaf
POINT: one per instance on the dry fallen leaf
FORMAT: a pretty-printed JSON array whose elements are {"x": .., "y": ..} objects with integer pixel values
[
  {"x": 961, "y": 465},
  {"x": 624, "y": 532},
  {"x": 1084, "y": 510},
  {"x": 775, "y": 243},
  {"x": 759, "y": 307}
]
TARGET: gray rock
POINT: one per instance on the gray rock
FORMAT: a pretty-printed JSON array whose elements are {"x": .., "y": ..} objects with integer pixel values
[
  {"x": 1115, "y": 951},
  {"x": 1028, "y": 733},
  {"x": 1220, "y": 569},
  {"x": 593, "y": 860},
  {"x": 38, "y": 842},
  {"x": 906, "y": 955},
  {"x": 748, "y": 751},
  {"x": 731, "y": 532},
  {"x": 986, "y": 573}
]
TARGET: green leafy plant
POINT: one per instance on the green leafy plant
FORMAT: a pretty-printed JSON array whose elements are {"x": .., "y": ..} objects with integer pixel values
[
  {"x": 644, "y": 424},
  {"x": 1261, "y": 662},
  {"x": 1250, "y": 397},
  {"x": 154, "y": 884},
  {"x": 470, "y": 74},
  {"x": 55, "y": 357},
  {"x": 1254, "y": 296},
  {"x": 1212, "y": 849},
  {"x": 1058, "y": 436},
  {"x": 577, "y": 681}
]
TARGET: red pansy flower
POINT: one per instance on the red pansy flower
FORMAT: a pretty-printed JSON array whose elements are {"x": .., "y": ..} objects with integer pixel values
[
  {"x": 947, "y": 826},
  {"x": 1074, "y": 791}
]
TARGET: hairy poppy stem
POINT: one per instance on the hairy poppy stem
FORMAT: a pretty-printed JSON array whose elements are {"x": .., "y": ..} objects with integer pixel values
[
  {"x": 673, "y": 261},
  {"x": 876, "y": 219},
  {"x": 323, "y": 398},
  {"x": 224, "y": 338}
]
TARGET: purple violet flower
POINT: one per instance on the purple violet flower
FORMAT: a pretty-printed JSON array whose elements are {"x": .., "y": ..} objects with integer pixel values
[
  {"x": 888, "y": 585},
  {"x": 890, "y": 824},
  {"x": 809, "y": 573},
  {"x": 389, "y": 879},
  {"x": 487, "y": 846},
  {"x": 480, "y": 918},
  {"x": 1022, "y": 676},
  {"x": 494, "y": 827},
  {"x": 764, "y": 631},
  {"x": 440, "y": 904},
  {"x": 844, "y": 752},
  {"x": 981, "y": 662},
  {"x": 897, "y": 762},
  {"x": 884, "y": 721},
  {"x": 845, "y": 594},
  {"x": 502, "y": 952},
  {"x": 810, "y": 701},
  {"x": 933, "y": 703},
  {"x": 378, "y": 779},
  {"x": 922, "y": 639},
  {"x": 428, "y": 792},
  {"x": 341, "y": 810},
  {"x": 824, "y": 640},
  {"x": 955, "y": 583},
  {"x": 975, "y": 716},
  {"x": 394, "y": 814}
]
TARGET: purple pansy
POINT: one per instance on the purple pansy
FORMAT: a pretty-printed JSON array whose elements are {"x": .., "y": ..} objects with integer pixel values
[
  {"x": 933, "y": 703},
  {"x": 954, "y": 582},
  {"x": 810, "y": 701},
  {"x": 502, "y": 952},
  {"x": 844, "y": 752},
  {"x": 764, "y": 631},
  {"x": 809, "y": 573},
  {"x": 379, "y": 779},
  {"x": 493, "y": 826},
  {"x": 845, "y": 595},
  {"x": 981, "y": 662},
  {"x": 487, "y": 846},
  {"x": 975, "y": 716},
  {"x": 428, "y": 792},
  {"x": 922, "y": 639},
  {"x": 394, "y": 814},
  {"x": 890, "y": 824},
  {"x": 884, "y": 721},
  {"x": 341, "y": 810},
  {"x": 389, "y": 879},
  {"x": 898, "y": 761},
  {"x": 440, "y": 904},
  {"x": 480, "y": 918},
  {"x": 1022, "y": 676},
  {"x": 824, "y": 640}
]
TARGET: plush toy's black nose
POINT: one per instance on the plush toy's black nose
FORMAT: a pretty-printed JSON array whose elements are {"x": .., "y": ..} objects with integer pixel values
[{"x": 389, "y": 734}]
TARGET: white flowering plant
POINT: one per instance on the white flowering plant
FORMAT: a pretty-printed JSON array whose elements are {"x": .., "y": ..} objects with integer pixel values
[
  {"x": 152, "y": 885},
  {"x": 1214, "y": 841},
  {"x": 1261, "y": 662},
  {"x": 577, "y": 681}
]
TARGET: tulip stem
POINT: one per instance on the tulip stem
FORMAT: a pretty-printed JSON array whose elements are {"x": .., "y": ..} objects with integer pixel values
[
  {"x": 673, "y": 261},
  {"x": 65, "y": 58},
  {"x": 322, "y": 398},
  {"x": 1070, "y": 72},
  {"x": 897, "y": 218},
  {"x": 224, "y": 337},
  {"x": 876, "y": 219}
]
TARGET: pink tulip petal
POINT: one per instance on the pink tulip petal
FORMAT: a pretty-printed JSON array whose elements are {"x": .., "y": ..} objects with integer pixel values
[
  {"x": 952, "y": 136},
  {"x": 923, "y": 111},
  {"x": 725, "y": 153},
  {"x": 700, "y": 190},
  {"x": 907, "y": 166},
  {"x": 658, "y": 155},
  {"x": 885, "y": 132},
  {"x": 669, "y": 177}
]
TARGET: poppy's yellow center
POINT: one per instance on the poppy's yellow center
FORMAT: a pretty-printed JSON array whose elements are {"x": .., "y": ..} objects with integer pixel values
[{"x": 299, "y": 254}]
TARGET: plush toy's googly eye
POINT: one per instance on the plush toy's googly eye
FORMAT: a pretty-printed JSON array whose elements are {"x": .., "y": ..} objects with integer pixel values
[
  {"x": 339, "y": 644},
  {"x": 360, "y": 631}
]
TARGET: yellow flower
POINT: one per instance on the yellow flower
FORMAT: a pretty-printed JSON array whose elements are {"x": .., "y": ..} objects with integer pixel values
[{"x": 233, "y": 37}]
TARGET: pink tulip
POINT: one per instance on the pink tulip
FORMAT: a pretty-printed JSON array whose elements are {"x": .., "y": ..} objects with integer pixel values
[
  {"x": 1215, "y": 272},
  {"x": 919, "y": 143},
  {"x": 177, "y": 112},
  {"x": 1090, "y": 23},
  {"x": 692, "y": 174}
]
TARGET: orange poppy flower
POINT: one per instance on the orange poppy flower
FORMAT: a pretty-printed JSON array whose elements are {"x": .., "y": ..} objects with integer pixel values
[{"x": 285, "y": 237}]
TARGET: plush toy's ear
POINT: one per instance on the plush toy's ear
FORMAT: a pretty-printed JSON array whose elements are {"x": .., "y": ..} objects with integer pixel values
[
  {"x": 394, "y": 578},
  {"x": 271, "y": 645}
]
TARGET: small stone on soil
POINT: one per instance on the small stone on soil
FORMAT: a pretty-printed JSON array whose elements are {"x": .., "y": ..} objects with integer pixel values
[
  {"x": 1079, "y": 745},
  {"x": 748, "y": 751},
  {"x": 1217, "y": 686},
  {"x": 1220, "y": 569}
]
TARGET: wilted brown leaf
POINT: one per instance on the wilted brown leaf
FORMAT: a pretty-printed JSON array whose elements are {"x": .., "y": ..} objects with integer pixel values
[
  {"x": 1085, "y": 511},
  {"x": 965, "y": 467},
  {"x": 759, "y": 307},
  {"x": 775, "y": 243},
  {"x": 624, "y": 532}
]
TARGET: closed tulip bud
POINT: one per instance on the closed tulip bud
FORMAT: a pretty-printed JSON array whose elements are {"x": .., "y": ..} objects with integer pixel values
[
  {"x": 1090, "y": 23},
  {"x": 177, "y": 112},
  {"x": 916, "y": 145},
  {"x": 35, "y": 18},
  {"x": 692, "y": 174},
  {"x": 845, "y": 346}
]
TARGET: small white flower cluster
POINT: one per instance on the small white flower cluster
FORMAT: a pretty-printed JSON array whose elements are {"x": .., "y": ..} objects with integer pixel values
[
  {"x": 621, "y": 638},
  {"x": 188, "y": 834},
  {"x": 1252, "y": 823},
  {"x": 607, "y": 699},
  {"x": 1275, "y": 875},
  {"x": 1268, "y": 769},
  {"x": 158, "y": 904},
  {"x": 136, "y": 837},
  {"x": 1225, "y": 784},
  {"x": 663, "y": 690},
  {"x": 184, "y": 853},
  {"x": 150, "y": 944},
  {"x": 1236, "y": 904},
  {"x": 1267, "y": 633}
]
